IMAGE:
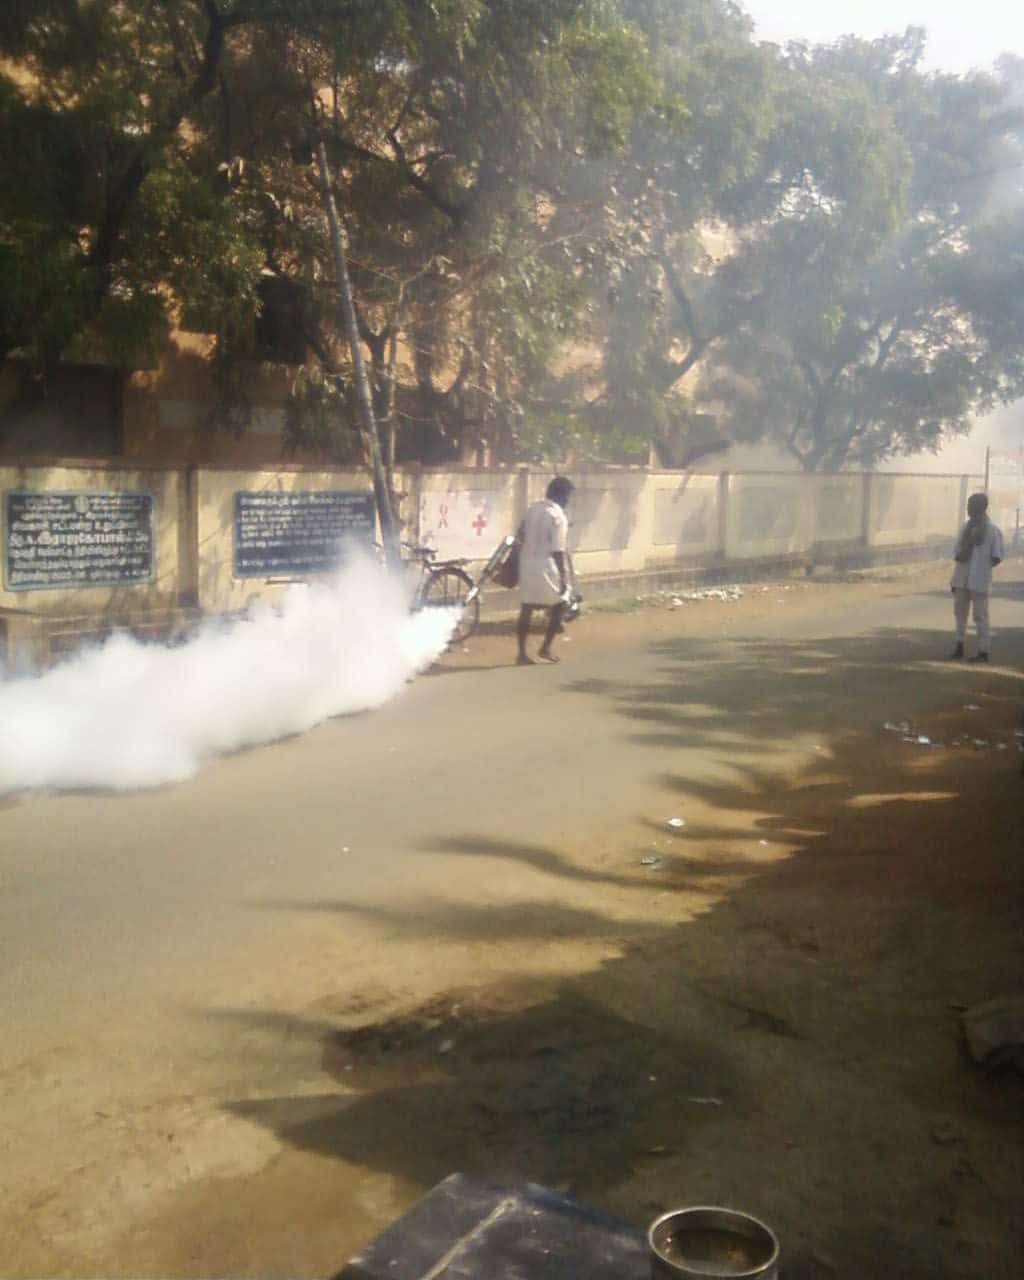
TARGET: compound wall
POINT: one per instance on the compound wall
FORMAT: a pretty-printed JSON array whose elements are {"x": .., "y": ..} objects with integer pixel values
[
  {"x": 205, "y": 535},
  {"x": 84, "y": 535}
]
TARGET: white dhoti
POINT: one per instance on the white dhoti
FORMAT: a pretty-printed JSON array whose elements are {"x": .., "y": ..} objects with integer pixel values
[
  {"x": 963, "y": 601},
  {"x": 545, "y": 532},
  {"x": 539, "y": 581}
]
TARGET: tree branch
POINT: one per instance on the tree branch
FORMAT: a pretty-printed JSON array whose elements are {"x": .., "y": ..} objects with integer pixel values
[
  {"x": 679, "y": 368},
  {"x": 812, "y": 375},
  {"x": 145, "y": 151},
  {"x": 835, "y": 452},
  {"x": 806, "y": 460},
  {"x": 698, "y": 345},
  {"x": 681, "y": 299},
  {"x": 839, "y": 450},
  {"x": 425, "y": 188},
  {"x": 454, "y": 214},
  {"x": 886, "y": 345}
]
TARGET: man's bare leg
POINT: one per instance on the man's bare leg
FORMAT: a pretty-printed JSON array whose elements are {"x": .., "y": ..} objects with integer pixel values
[
  {"x": 554, "y": 626},
  {"x": 522, "y": 631}
]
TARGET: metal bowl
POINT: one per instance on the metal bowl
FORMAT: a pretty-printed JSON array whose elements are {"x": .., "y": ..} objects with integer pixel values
[{"x": 711, "y": 1241}]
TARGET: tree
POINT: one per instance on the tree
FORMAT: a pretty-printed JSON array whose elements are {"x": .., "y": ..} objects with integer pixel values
[
  {"x": 871, "y": 337},
  {"x": 750, "y": 145},
  {"x": 639, "y": 217},
  {"x": 192, "y": 124},
  {"x": 103, "y": 219},
  {"x": 819, "y": 244},
  {"x": 446, "y": 163}
]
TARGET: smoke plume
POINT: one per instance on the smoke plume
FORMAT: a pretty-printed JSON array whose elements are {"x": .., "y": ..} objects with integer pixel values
[{"x": 128, "y": 714}]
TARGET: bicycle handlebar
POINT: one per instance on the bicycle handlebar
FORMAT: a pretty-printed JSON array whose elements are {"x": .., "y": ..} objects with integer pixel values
[{"x": 425, "y": 553}]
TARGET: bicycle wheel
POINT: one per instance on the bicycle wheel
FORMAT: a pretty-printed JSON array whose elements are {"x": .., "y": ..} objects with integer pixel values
[{"x": 451, "y": 588}]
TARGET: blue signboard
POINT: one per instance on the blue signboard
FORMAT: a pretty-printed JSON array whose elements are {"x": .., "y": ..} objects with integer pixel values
[
  {"x": 77, "y": 539},
  {"x": 292, "y": 534}
]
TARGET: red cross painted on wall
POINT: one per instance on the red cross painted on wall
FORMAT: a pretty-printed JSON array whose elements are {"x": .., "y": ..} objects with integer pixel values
[
  {"x": 442, "y": 522},
  {"x": 480, "y": 524}
]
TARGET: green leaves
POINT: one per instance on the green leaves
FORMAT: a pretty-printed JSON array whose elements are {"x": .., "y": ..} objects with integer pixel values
[
  {"x": 160, "y": 176},
  {"x": 873, "y": 321},
  {"x": 570, "y": 221}
]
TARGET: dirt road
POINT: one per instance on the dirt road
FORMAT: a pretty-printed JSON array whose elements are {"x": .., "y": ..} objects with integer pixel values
[{"x": 250, "y": 1018}]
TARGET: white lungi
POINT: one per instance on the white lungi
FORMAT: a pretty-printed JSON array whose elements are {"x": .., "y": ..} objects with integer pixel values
[
  {"x": 545, "y": 531},
  {"x": 962, "y": 602}
]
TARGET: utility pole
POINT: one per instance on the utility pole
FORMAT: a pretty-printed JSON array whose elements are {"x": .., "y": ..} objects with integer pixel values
[{"x": 364, "y": 399}]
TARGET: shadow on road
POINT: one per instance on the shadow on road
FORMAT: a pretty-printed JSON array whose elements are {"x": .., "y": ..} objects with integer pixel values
[
  {"x": 437, "y": 916},
  {"x": 565, "y": 1089},
  {"x": 777, "y": 1026},
  {"x": 781, "y": 687}
]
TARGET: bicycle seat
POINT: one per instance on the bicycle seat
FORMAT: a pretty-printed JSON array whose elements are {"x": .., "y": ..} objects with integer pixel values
[{"x": 427, "y": 553}]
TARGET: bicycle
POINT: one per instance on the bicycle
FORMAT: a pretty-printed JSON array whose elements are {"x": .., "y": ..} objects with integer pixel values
[{"x": 445, "y": 584}]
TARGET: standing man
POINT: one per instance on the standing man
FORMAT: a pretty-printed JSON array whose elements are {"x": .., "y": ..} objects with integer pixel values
[
  {"x": 979, "y": 548},
  {"x": 544, "y": 567}
]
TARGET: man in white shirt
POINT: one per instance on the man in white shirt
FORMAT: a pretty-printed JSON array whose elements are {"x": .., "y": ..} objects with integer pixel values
[
  {"x": 543, "y": 567},
  {"x": 979, "y": 548}
]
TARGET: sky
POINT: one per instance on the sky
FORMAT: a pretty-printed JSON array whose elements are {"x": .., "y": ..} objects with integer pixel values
[{"x": 962, "y": 34}]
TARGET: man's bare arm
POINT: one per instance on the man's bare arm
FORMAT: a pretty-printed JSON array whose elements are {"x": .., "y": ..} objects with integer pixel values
[{"x": 559, "y": 559}]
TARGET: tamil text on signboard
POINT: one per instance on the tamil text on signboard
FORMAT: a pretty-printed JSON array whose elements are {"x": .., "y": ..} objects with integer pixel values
[
  {"x": 283, "y": 535},
  {"x": 80, "y": 539}
]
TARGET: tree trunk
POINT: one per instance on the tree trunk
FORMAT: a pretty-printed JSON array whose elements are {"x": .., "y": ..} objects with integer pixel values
[
  {"x": 364, "y": 396},
  {"x": 390, "y": 404}
]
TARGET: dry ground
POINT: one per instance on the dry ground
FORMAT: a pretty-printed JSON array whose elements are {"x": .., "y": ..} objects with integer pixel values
[{"x": 766, "y": 1016}]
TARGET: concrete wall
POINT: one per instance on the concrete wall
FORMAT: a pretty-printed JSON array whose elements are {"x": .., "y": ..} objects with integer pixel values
[
  {"x": 769, "y": 516},
  {"x": 686, "y": 518},
  {"x": 914, "y": 509},
  {"x": 462, "y": 513},
  {"x": 839, "y": 502},
  {"x": 171, "y": 567},
  {"x": 627, "y": 519},
  {"x": 1006, "y": 491},
  {"x": 623, "y": 520},
  {"x": 610, "y": 521}
]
